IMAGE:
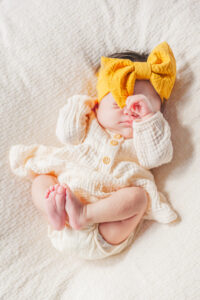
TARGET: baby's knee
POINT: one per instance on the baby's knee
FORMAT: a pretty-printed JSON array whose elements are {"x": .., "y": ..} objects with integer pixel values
[
  {"x": 143, "y": 200},
  {"x": 40, "y": 185},
  {"x": 43, "y": 180},
  {"x": 140, "y": 198}
]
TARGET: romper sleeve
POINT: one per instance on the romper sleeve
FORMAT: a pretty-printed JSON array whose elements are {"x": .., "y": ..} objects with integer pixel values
[
  {"x": 73, "y": 119},
  {"x": 152, "y": 141}
]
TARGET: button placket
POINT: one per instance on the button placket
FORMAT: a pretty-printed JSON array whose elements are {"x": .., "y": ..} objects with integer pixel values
[
  {"x": 106, "y": 160},
  {"x": 111, "y": 148},
  {"x": 117, "y": 136},
  {"x": 114, "y": 142},
  {"x": 116, "y": 139}
]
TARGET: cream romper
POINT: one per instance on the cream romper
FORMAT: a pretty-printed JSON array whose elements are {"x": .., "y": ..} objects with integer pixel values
[{"x": 95, "y": 162}]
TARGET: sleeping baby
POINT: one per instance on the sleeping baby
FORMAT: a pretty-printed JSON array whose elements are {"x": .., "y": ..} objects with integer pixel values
[{"x": 96, "y": 190}]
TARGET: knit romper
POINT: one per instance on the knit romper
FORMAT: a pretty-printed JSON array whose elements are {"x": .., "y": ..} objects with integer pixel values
[{"x": 94, "y": 162}]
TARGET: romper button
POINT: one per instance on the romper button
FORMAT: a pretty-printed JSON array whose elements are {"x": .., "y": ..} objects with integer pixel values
[
  {"x": 114, "y": 143},
  {"x": 106, "y": 160},
  {"x": 117, "y": 136}
]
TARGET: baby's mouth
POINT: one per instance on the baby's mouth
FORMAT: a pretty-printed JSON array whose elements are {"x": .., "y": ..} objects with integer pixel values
[
  {"x": 130, "y": 120},
  {"x": 125, "y": 123}
]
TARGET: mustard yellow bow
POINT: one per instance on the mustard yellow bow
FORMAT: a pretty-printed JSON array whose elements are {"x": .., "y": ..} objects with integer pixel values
[{"x": 117, "y": 76}]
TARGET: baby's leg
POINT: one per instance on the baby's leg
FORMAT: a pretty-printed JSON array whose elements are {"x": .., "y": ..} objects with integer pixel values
[
  {"x": 52, "y": 206},
  {"x": 122, "y": 204},
  {"x": 118, "y": 214},
  {"x": 118, "y": 231},
  {"x": 130, "y": 206}
]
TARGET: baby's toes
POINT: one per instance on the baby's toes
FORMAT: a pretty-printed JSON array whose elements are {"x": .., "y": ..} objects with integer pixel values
[
  {"x": 52, "y": 188},
  {"x": 47, "y": 193},
  {"x": 60, "y": 189},
  {"x": 56, "y": 186},
  {"x": 49, "y": 190}
]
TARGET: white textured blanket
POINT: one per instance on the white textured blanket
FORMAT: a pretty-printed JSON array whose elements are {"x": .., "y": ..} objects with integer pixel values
[{"x": 49, "y": 51}]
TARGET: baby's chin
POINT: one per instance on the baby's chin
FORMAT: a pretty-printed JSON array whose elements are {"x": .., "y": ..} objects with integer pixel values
[{"x": 127, "y": 132}]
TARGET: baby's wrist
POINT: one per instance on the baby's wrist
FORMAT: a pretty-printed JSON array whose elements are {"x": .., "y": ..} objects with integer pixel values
[{"x": 147, "y": 116}]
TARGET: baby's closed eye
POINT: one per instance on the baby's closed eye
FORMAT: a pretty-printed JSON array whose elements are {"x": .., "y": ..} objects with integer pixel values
[{"x": 115, "y": 105}]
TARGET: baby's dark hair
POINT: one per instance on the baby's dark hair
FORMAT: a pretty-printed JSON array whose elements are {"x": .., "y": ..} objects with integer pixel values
[{"x": 133, "y": 56}]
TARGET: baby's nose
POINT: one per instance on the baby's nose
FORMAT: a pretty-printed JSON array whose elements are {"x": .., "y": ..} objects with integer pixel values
[{"x": 125, "y": 111}]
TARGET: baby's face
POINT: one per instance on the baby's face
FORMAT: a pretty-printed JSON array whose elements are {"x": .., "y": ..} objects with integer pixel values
[{"x": 112, "y": 117}]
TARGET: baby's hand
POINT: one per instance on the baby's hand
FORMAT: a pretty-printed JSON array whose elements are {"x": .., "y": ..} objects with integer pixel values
[{"x": 138, "y": 106}]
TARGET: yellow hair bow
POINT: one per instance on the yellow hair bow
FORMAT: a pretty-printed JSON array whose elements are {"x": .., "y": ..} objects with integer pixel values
[{"x": 118, "y": 75}]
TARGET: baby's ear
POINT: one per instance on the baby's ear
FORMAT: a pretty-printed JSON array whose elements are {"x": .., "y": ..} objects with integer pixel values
[
  {"x": 92, "y": 103},
  {"x": 96, "y": 104},
  {"x": 162, "y": 106}
]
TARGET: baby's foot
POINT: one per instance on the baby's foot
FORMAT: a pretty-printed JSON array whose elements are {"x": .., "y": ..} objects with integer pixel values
[
  {"x": 55, "y": 206},
  {"x": 75, "y": 210}
]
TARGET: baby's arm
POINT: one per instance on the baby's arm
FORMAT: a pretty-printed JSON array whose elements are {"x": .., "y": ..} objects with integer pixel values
[
  {"x": 72, "y": 120},
  {"x": 152, "y": 141},
  {"x": 151, "y": 132}
]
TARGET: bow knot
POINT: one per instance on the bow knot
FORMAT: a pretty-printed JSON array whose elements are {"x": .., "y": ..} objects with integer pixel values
[{"x": 142, "y": 70}]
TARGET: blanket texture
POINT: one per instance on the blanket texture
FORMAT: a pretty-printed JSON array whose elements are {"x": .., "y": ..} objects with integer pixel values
[{"x": 49, "y": 50}]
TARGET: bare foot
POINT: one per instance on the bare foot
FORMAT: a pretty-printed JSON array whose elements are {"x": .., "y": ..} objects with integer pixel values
[
  {"x": 55, "y": 206},
  {"x": 75, "y": 210}
]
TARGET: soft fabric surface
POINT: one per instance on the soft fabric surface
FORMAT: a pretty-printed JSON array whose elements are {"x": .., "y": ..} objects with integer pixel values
[{"x": 49, "y": 51}]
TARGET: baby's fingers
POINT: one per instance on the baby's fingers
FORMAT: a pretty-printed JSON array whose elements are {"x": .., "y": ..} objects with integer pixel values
[
  {"x": 127, "y": 110},
  {"x": 139, "y": 104}
]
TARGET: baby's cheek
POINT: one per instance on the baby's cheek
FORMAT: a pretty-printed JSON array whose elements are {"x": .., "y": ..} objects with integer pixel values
[
  {"x": 111, "y": 118},
  {"x": 114, "y": 117}
]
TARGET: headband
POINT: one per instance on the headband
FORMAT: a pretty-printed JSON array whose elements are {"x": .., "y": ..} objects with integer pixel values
[{"x": 118, "y": 75}]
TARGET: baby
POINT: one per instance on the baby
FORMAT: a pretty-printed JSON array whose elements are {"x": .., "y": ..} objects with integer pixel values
[{"x": 96, "y": 190}]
